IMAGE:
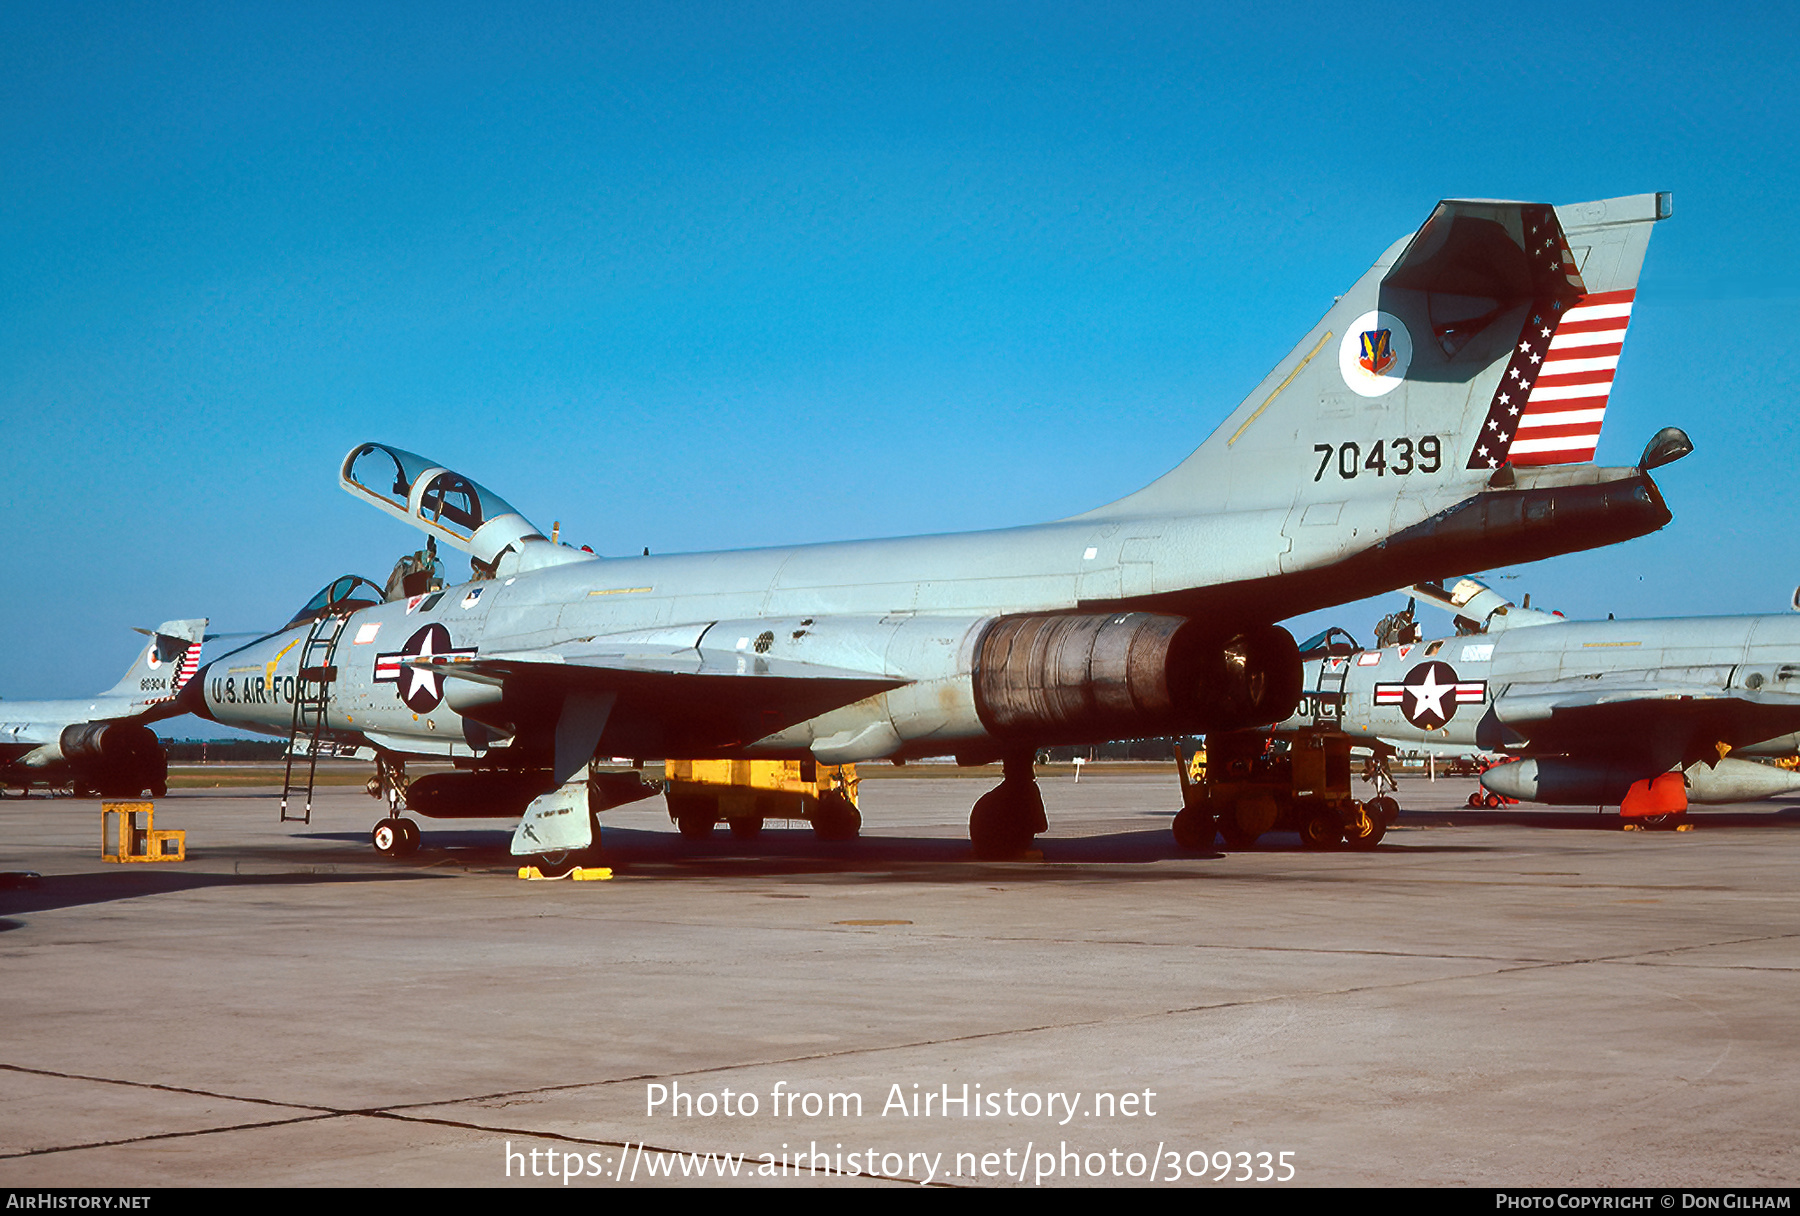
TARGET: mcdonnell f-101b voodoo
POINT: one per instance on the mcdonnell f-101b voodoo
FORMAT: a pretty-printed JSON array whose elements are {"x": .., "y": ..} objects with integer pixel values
[
  {"x": 1447, "y": 404},
  {"x": 1645, "y": 715},
  {"x": 103, "y": 743}
]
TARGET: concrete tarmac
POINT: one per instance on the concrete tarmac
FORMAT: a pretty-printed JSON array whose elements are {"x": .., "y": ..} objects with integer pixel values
[{"x": 1514, "y": 998}]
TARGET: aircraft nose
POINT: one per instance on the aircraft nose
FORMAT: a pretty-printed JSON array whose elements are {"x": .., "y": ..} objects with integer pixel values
[{"x": 192, "y": 697}]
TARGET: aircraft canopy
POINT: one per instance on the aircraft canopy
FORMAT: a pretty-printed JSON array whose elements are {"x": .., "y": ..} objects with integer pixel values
[
  {"x": 341, "y": 595},
  {"x": 436, "y": 500}
]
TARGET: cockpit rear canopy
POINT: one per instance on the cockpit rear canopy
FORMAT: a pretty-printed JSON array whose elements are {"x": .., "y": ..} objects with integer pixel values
[{"x": 436, "y": 500}]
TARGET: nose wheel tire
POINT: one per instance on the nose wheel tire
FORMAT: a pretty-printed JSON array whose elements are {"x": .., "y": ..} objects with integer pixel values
[{"x": 395, "y": 837}]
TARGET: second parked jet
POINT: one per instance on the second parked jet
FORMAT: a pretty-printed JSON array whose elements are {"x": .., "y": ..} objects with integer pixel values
[{"x": 1645, "y": 715}]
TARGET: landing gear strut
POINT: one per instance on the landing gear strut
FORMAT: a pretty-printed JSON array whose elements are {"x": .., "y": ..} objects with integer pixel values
[
  {"x": 389, "y": 782},
  {"x": 1007, "y": 817}
]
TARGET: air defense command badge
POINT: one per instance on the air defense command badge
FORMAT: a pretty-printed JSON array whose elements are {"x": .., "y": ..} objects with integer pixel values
[{"x": 1375, "y": 353}]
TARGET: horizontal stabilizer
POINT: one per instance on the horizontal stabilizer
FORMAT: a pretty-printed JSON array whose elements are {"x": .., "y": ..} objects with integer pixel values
[
  {"x": 178, "y": 631},
  {"x": 166, "y": 665}
]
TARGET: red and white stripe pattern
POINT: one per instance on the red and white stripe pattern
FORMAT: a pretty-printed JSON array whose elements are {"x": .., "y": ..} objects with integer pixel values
[
  {"x": 190, "y": 663},
  {"x": 1464, "y": 692},
  {"x": 1567, "y": 403}
]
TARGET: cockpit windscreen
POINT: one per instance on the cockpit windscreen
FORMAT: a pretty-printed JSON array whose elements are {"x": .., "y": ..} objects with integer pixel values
[{"x": 342, "y": 595}]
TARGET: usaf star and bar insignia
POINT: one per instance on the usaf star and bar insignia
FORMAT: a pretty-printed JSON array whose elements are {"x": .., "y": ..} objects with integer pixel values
[
  {"x": 1429, "y": 694},
  {"x": 420, "y": 688}
]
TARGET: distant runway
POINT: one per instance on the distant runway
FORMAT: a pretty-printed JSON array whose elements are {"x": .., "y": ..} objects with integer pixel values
[{"x": 1514, "y": 997}]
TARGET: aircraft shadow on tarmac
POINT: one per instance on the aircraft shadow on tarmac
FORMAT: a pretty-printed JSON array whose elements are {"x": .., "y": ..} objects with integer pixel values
[
  {"x": 53, "y": 891},
  {"x": 1777, "y": 815},
  {"x": 796, "y": 852},
  {"x": 869, "y": 858},
  {"x": 914, "y": 858}
]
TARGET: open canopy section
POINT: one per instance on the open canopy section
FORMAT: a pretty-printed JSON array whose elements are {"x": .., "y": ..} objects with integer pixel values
[{"x": 438, "y": 501}]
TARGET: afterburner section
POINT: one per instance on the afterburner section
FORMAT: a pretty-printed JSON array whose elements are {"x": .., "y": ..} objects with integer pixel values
[{"x": 1080, "y": 677}]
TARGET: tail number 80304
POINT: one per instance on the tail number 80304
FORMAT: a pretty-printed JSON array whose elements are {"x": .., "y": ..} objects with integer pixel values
[{"x": 1399, "y": 457}]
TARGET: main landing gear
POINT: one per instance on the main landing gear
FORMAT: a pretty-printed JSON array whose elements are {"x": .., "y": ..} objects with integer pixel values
[
  {"x": 1245, "y": 784},
  {"x": 1007, "y": 817}
]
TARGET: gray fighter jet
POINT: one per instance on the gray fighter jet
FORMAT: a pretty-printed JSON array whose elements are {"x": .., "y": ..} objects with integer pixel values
[
  {"x": 104, "y": 743},
  {"x": 1645, "y": 715},
  {"x": 1446, "y": 404}
]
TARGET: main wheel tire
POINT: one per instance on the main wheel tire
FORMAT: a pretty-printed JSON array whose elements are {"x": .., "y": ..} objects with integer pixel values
[
  {"x": 1002, "y": 822},
  {"x": 1366, "y": 830},
  {"x": 1491, "y": 802},
  {"x": 387, "y": 837},
  {"x": 1475, "y": 801},
  {"x": 410, "y": 838},
  {"x": 748, "y": 828},
  {"x": 1321, "y": 829},
  {"x": 694, "y": 815},
  {"x": 836, "y": 817},
  {"x": 1232, "y": 831},
  {"x": 1386, "y": 810},
  {"x": 1194, "y": 829}
]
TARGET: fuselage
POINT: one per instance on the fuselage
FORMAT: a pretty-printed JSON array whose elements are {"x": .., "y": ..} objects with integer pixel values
[{"x": 906, "y": 608}]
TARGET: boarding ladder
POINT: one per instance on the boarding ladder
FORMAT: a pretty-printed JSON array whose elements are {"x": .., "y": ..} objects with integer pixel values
[
  {"x": 1328, "y": 705},
  {"x": 312, "y": 701}
]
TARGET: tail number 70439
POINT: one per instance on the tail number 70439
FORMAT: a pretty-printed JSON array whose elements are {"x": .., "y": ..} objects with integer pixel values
[{"x": 1399, "y": 457}]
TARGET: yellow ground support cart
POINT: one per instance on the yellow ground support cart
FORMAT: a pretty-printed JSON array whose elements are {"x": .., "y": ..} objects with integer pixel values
[
  {"x": 1247, "y": 782},
  {"x": 124, "y": 839},
  {"x": 745, "y": 792}
]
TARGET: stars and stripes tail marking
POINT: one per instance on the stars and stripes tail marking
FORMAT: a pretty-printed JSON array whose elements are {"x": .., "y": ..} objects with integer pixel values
[{"x": 1567, "y": 405}]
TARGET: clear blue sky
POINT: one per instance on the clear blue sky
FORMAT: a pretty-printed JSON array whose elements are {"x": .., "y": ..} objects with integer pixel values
[{"x": 703, "y": 276}]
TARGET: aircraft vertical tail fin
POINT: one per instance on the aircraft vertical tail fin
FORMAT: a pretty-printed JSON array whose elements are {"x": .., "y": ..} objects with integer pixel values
[
  {"x": 166, "y": 665},
  {"x": 1489, "y": 336},
  {"x": 1565, "y": 402}
]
